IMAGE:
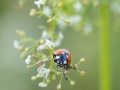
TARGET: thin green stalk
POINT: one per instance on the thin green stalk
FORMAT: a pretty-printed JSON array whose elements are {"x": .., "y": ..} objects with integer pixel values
[
  {"x": 104, "y": 63},
  {"x": 61, "y": 80}
]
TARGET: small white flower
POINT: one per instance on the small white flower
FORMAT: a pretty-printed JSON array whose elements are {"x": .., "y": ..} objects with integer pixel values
[
  {"x": 16, "y": 45},
  {"x": 59, "y": 87},
  {"x": 38, "y": 3},
  {"x": 44, "y": 34},
  {"x": 75, "y": 19},
  {"x": 40, "y": 74},
  {"x": 43, "y": 71},
  {"x": 72, "y": 82},
  {"x": 47, "y": 73},
  {"x": 42, "y": 66},
  {"x": 77, "y": 6},
  {"x": 61, "y": 35},
  {"x": 41, "y": 47},
  {"x": 47, "y": 10},
  {"x": 57, "y": 42},
  {"x": 49, "y": 44},
  {"x": 87, "y": 28},
  {"x": 42, "y": 84},
  {"x": 27, "y": 60}
]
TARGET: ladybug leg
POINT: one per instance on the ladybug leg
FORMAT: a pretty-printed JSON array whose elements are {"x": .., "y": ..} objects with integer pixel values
[
  {"x": 55, "y": 60},
  {"x": 57, "y": 65},
  {"x": 65, "y": 67},
  {"x": 65, "y": 76}
]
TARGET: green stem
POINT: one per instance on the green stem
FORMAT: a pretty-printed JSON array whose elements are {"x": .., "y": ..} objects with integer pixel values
[
  {"x": 51, "y": 65},
  {"x": 78, "y": 70},
  {"x": 33, "y": 61},
  {"x": 61, "y": 80},
  {"x": 104, "y": 63},
  {"x": 69, "y": 79}
]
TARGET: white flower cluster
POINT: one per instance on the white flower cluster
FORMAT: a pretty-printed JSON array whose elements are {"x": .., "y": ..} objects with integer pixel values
[
  {"x": 48, "y": 44},
  {"x": 43, "y": 72},
  {"x": 44, "y": 34},
  {"x": 38, "y": 3},
  {"x": 46, "y": 9}
]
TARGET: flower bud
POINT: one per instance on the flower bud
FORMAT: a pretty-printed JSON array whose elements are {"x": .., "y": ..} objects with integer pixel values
[
  {"x": 82, "y": 73},
  {"x": 34, "y": 56},
  {"x": 21, "y": 33},
  {"x": 96, "y": 4},
  {"x": 40, "y": 63},
  {"x": 49, "y": 20},
  {"x": 72, "y": 82},
  {"x": 66, "y": 72},
  {"x": 42, "y": 41},
  {"x": 26, "y": 49},
  {"x": 21, "y": 49},
  {"x": 53, "y": 77},
  {"x": 33, "y": 78},
  {"x": 29, "y": 67},
  {"x": 58, "y": 87},
  {"x": 75, "y": 66},
  {"x": 32, "y": 12},
  {"x": 18, "y": 31},
  {"x": 85, "y": 2},
  {"x": 48, "y": 81},
  {"x": 67, "y": 22},
  {"x": 82, "y": 60},
  {"x": 59, "y": 73},
  {"x": 60, "y": 4}
]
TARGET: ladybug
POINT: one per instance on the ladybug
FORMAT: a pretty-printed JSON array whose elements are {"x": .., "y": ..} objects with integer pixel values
[{"x": 62, "y": 57}]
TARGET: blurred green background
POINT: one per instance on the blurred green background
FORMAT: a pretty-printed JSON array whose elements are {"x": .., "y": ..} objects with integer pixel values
[{"x": 102, "y": 44}]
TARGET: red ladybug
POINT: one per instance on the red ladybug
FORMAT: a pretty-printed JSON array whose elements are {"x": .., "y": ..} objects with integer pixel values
[{"x": 62, "y": 57}]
